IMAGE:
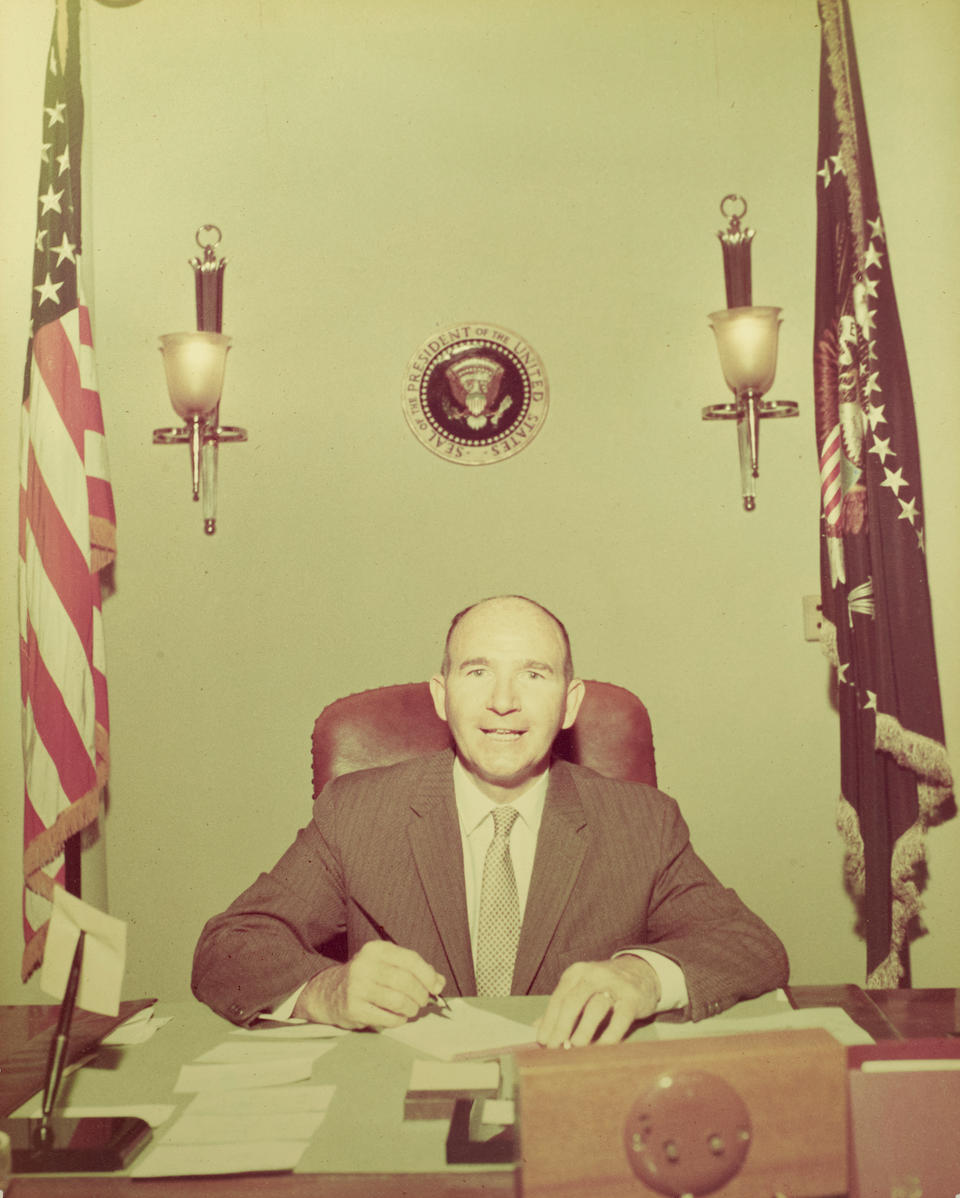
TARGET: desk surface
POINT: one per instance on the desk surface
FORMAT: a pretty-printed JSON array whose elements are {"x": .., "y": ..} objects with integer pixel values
[{"x": 890, "y": 1014}]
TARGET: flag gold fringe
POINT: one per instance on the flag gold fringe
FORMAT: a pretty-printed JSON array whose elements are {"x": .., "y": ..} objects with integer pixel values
[
  {"x": 33, "y": 952},
  {"x": 909, "y": 854},
  {"x": 103, "y": 542},
  {"x": 839, "y": 56},
  {"x": 927, "y": 759},
  {"x": 50, "y": 844}
]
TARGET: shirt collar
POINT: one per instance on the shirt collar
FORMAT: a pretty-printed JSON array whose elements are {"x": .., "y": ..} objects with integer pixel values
[{"x": 473, "y": 806}]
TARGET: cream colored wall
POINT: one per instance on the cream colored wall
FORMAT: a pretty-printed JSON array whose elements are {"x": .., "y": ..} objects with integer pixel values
[{"x": 382, "y": 169}]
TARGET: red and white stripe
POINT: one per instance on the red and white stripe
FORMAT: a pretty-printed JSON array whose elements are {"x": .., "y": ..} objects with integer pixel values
[
  {"x": 67, "y": 535},
  {"x": 831, "y": 493}
]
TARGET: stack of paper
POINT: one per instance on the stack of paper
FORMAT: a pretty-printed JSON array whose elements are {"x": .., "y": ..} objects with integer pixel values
[
  {"x": 261, "y": 1130},
  {"x": 248, "y": 1114}
]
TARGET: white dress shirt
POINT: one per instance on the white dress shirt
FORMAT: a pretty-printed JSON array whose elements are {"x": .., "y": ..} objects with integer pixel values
[{"x": 475, "y": 812}]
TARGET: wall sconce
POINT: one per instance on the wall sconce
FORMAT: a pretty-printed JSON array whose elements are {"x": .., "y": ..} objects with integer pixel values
[
  {"x": 747, "y": 344},
  {"x": 195, "y": 364}
]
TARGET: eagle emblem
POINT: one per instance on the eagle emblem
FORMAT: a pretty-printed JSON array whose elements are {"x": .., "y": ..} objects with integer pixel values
[
  {"x": 475, "y": 394},
  {"x": 475, "y": 389}
]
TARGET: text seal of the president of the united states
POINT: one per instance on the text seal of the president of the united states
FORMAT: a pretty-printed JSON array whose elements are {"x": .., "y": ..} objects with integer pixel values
[{"x": 475, "y": 394}]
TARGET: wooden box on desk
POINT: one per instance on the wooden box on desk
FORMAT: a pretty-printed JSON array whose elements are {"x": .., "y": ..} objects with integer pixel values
[{"x": 574, "y": 1109}]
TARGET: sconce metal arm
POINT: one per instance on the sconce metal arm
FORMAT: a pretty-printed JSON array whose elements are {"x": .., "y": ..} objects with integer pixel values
[
  {"x": 749, "y": 407},
  {"x": 204, "y": 433}
]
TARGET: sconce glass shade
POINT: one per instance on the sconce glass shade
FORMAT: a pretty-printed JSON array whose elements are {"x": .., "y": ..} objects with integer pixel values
[
  {"x": 747, "y": 343},
  {"x": 195, "y": 364}
]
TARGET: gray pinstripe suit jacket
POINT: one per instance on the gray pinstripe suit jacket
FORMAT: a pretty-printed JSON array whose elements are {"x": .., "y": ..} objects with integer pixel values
[{"x": 614, "y": 869}]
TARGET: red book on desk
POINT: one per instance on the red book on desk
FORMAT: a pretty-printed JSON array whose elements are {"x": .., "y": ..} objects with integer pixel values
[
  {"x": 25, "y": 1035},
  {"x": 905, "y": 1118}
]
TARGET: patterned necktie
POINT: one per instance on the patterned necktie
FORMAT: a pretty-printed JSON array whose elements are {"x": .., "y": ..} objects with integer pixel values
[{"x": 498, "y": 928}]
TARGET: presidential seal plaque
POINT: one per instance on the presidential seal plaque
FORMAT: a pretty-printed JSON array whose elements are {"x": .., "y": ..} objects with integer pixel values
[{"x": 475, "y": 394}]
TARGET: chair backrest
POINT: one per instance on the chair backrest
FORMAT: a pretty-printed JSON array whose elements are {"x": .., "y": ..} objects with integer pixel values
[{"x": 612, "y": 734}]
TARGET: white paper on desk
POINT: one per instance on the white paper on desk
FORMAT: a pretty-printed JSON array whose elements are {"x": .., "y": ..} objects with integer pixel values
[
  {"x": 136, "y": 1031},
  {"x": 144, "y": 1015},
  {"x": 192, "y": 1160},
  {"x": 240, "y": 1052},
  {"x": 499, "y": 1110},
  {"x": 271, "y": 1100},
  {"x": 232, "y": 1128},
  {"x": 466, "y": 1031},
  {"x": 832, "y": 1019},
  {"x": 301, "y": 1030},
  {"x": 454, "y": 1075},
  {"x": 229, "y": 1077},
  {"x": 912, "y": 1065},
  {"x": 104, "y": 953}
]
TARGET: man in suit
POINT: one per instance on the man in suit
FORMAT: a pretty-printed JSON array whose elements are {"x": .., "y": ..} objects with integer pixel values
[{"x": 491, "y": 870}]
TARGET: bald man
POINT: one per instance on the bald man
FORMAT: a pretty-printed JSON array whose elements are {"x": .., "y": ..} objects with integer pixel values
[{"x": 609, "y": 909}]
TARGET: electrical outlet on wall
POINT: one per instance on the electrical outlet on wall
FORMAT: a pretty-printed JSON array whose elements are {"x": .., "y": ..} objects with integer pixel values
[{"x": 812, "y": 617}]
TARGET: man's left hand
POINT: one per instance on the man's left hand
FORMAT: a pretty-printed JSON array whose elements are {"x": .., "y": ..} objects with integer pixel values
[{"x": 625, "y": 989}]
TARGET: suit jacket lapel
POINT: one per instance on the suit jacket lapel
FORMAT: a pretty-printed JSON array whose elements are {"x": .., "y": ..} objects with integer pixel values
[
  {"x": 434, "y": 836},
  {"x": 561, "y": 846}
]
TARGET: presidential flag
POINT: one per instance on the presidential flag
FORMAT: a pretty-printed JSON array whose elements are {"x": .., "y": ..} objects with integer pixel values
[
  {"x": 895, "y": 778},
  {"x": 67, "y": 522}
]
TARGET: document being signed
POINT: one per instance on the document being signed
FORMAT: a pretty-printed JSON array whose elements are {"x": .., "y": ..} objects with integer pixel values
[{"x": 463, "y": 1031}]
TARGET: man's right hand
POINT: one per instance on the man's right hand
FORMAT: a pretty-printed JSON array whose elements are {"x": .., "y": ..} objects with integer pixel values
[{"x": 382, "y": 985}]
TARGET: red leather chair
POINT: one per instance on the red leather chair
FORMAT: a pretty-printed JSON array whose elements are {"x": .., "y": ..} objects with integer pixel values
[{"x": 612, "y": 734}]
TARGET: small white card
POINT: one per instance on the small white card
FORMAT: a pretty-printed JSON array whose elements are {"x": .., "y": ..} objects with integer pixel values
[
  {"x": 832, "y": 1019},
  {"x": 231, "y": 1077},
  {"x": 274, "y": 1100},
  {"x": 901, "y": 1065},
  {"x": 137, "y": 1030},
  {"x": 189, "y": 1160},
  {"x": 301, "y": 1030},
  {"x": 104, "y": 953},
  {"x": 499, "y": 1110},
  {"x": 245, "y": 1052},
  {"x": 193, "y": 1128},
  {"x": 455, "y": 1075}
]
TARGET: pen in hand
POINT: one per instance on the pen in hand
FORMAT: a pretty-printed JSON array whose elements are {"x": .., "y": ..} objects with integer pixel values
[{"x": 385, "y": 935}]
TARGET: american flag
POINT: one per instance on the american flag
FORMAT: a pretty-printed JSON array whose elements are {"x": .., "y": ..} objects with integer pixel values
[
  {"x": 895, "y": 778},
  {"x": 67, "y": 521}
]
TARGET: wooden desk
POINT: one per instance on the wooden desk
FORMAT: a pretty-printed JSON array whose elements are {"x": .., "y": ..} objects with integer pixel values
[
  {"x": 885, "y": 1014},
  {"x": 920, "y": 1014}
]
